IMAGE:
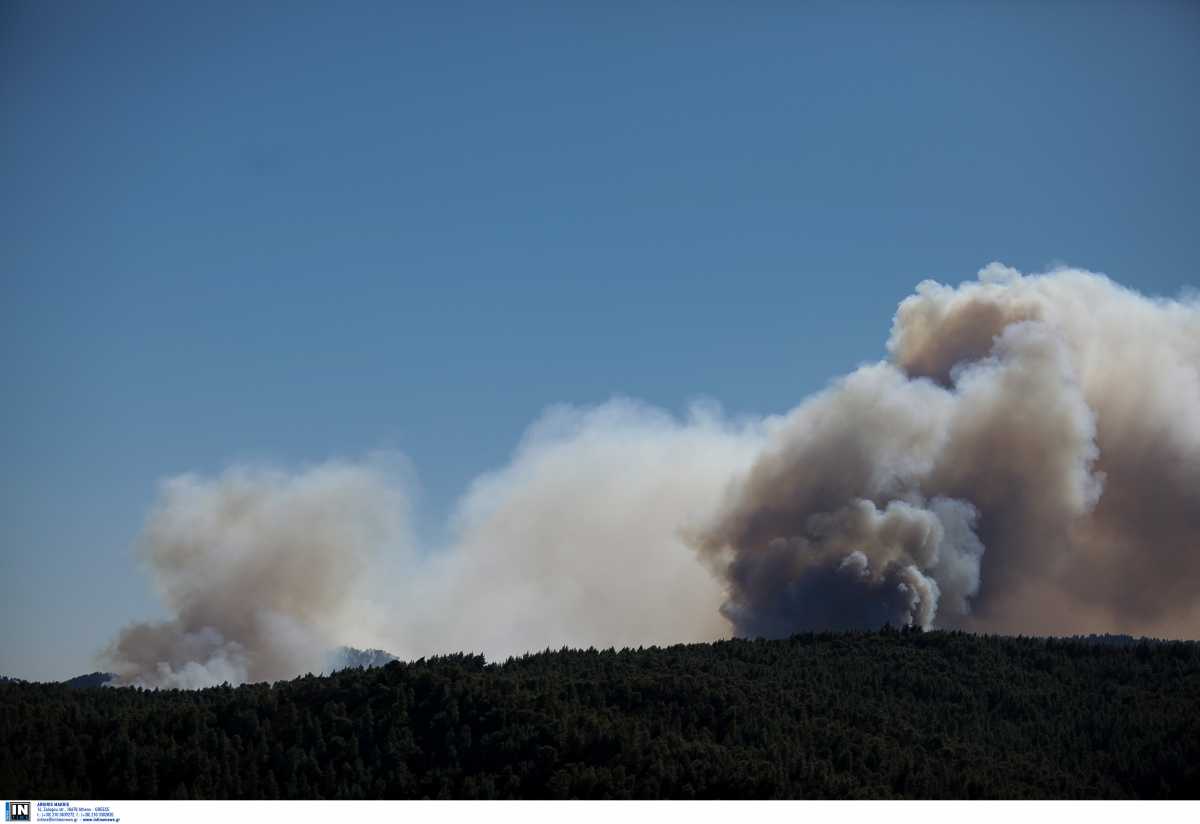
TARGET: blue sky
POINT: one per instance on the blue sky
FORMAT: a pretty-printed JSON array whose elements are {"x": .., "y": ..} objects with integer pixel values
[{"x": 294, "y": 231}]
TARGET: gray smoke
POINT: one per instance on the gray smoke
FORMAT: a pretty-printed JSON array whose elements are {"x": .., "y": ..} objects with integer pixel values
[
  {"x": 576, "y": 542},
  {"x": 262, "y": 571},
  {"x": 1027, "y": 459}
]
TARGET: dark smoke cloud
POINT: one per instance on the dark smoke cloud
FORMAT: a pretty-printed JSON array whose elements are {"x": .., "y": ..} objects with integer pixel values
[{"x": 1026, "y": 459}]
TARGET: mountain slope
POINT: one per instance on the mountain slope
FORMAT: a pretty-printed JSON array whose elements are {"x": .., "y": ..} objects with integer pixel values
[
  {"x": 872, "y": 715},
  {"x": 354, "y": 658},
  {"x": 93, "y": 679}
]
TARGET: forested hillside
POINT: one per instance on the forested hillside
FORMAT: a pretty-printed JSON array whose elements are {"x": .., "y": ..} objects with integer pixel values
[{"x": 832, "y": 715}]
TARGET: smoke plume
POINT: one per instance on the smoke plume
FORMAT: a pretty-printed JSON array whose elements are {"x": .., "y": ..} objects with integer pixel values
[
  {"x": 262, "y": 571},
  {"x": 576, "y": 542},
  {"x": 1026, "y": 459}
]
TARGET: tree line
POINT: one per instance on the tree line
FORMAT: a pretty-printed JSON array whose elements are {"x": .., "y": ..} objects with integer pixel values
[{"x": 890, "y": 714}]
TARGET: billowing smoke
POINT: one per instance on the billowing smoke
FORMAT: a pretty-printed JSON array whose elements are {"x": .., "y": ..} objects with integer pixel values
[
  {"x": 263, "y": 573},
  {"x": 1027, "y": 459},
  {"x": 579, "y": 540},
  {"x": 576, "y": 542}
]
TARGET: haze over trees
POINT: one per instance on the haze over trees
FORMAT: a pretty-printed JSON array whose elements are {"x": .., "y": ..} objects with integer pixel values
[{"x": 857, "y": 715}]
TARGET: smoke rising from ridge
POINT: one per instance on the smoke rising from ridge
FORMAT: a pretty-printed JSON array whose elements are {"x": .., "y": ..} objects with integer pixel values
[
  {"x": 576, "y": 542},
  {"x": 262, "y": 571},
  {"x": 1027, "y": 459}
]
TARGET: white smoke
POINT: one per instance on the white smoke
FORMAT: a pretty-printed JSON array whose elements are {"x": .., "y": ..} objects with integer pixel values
[
  {"x": 578, "y": 541},
  {"x": 1027, "y": 459}
]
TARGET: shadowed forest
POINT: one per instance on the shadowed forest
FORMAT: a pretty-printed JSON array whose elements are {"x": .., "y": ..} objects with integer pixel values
[{"x": 856, "y": 715}]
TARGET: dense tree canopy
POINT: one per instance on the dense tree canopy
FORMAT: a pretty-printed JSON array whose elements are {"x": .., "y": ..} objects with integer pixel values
[{"x": 876, "y": 715}]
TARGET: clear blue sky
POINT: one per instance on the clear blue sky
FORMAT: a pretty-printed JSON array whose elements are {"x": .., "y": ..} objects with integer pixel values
[{"x": 297, "y": 231}]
